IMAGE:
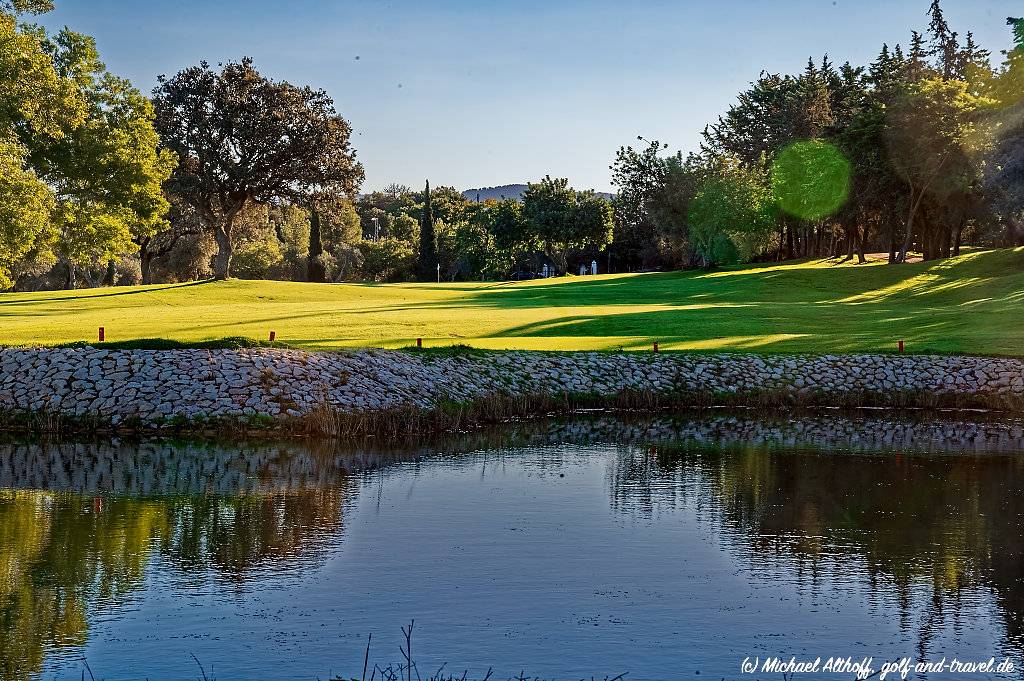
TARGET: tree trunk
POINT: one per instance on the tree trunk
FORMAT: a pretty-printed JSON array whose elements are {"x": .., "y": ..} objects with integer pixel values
[
  {"x": 225, "y": 248},
  {"x": 146, "y": 265},
  {"x": 862, "y": 243},
  {"x": 71, "y": 282},
  {"x": 911, "y": 214},
  {"x": 927, "y": 239},
  {"x": 110, "y": 276},
  {"x": 790, "y": 253}
]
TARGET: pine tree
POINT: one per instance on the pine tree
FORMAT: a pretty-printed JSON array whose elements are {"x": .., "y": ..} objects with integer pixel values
[
  {"x": 1017, "y": 24},
  {"x": 427, "y": 265},
  {"x": 916, "y": 66},
  {"x": 944, "y": 43},
  {"x": 973, "y": 60}
]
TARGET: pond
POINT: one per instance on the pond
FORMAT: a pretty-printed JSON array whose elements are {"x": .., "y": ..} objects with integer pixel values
[{"x": 662, "y": 547}]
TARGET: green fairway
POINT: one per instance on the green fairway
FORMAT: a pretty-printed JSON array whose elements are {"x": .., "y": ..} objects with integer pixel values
[{"x": 970, "y": 304}]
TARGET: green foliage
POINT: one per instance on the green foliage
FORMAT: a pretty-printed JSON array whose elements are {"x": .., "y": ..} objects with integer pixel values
[
  {"x": 32, "y": 94},
  {"x": 730, "y": 216},
  {"x": 25, "y": 205},
  {"x": 388, "y": 259},
  {"x": 562, "y": 219},
  {"x": 205, "y": 117},
  {"x": 652, "y": 203},
  {"x": 316, "y": 269},
  {"x": 342, "y": 224},
  {"x": 257, "y": 254},
  {"x": 1016, "y": 25},
  {"x": 26, "y": 6},
  {"x": 507, "y": 225},
  {"x": 291, "y": 225},
  {"x": 810, "y": 180},
  {"x": 404, "y": 227},
  {"x": 106, "y": 173},
  {"x": 936, "y": 142},
  {"x": 592, "y": 224},
  {"x": 427, "y": 262},
  {"x": 89, "y": 139}
]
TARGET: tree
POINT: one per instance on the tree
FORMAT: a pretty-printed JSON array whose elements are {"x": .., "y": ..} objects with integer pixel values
[
  {"x": 183, "y": 225},
  {"x": 730, "y": 217},
  {"x": 342, "y": 223},
  {"x": 35, "y": 103},
  {"x": 241, "y": 137},
  {"x": 1005, "y": 184},
  {"x": 25, "y": 206},
  {"x": 426, "y": 264},
  {"x": 316, "y": 271},
  {"x": 508, "y": 226},
  {"x": 936, "y": 144},
  {"x": 548, "y": 208},
  {"x": 592, "y": 224},
  {"x": 107, "y": 172},
  {"x": 562, "y": 219},
  {"x": 945, "y": 46},
  {"x": 405, "y": 227},
  {"x": 649, "y": 189},
  {"x": 810, "y": 180},
  {"x": 26, "y": 6},
  {"x": 388, "y": 259},
  {"x": 86, "y": 136}
]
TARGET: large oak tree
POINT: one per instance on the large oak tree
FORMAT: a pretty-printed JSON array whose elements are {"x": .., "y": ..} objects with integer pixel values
[{"x": 242, "y": 138}]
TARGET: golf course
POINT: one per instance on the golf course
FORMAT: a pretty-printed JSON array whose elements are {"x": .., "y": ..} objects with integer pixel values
[{"x": 971, "y": 304}]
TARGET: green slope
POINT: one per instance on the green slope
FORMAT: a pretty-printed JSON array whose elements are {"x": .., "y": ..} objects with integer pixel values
[{"x": 970, "y": 304}]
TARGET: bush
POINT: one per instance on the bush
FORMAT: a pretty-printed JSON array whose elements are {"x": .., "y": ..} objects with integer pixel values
[{"x": 388, "y": 259}]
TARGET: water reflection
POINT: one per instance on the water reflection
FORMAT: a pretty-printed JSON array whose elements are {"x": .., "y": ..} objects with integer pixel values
[
  {"x": 922, "y": 512},
  {"x": 901, "y": 517},
  {"x": 80, "y": 522}
]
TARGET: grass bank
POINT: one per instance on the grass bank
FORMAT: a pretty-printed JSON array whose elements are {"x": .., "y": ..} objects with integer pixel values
[
  {"x": 972, "y": 304},
  {"x": 326, "y": 421}
]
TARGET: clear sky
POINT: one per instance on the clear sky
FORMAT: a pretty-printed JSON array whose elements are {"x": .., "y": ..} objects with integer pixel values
[{"x": 478, "y": 93}]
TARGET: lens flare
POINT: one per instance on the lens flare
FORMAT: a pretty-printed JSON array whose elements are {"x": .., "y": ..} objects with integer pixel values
[{"x": 810, "y": 179}]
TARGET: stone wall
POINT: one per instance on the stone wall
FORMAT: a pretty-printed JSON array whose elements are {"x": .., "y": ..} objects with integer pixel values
[
  {"x": 160, "y": 466},
  {"x": 153, "y": 386}
]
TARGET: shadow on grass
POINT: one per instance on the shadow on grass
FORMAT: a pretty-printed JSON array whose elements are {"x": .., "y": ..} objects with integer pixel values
[
  {"x": 107, "y": 293},
  {"x": 965, "y": 304},
  {"x": 229, "y": 343}
]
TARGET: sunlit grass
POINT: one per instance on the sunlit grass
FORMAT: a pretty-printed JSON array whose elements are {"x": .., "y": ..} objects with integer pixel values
[{"x": 970, "y": 304}]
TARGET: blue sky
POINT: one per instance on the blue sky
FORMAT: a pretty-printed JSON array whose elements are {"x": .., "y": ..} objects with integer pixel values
[{"x": 485, "y": 93}]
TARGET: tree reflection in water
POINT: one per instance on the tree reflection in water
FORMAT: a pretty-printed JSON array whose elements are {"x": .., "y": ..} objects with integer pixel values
[
  {"x": 79, "y": 523},
  {"x": 945, "y": 522},
  {"x": 64, "y": 553}
]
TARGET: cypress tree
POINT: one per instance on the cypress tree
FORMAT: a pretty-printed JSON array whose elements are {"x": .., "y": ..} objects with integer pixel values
[
  {"x": 315, "y": 270},
  {"x": 427, "y": 265}
]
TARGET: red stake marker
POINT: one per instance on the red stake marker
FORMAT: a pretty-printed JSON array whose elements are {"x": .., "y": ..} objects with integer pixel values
[
  {"x": 655, "y": 346},
  {"x": 419, "y": 342},
  {"x": 901, "y": 346},
  {"x": 103, "y": 334},
  {"x": 273, "y": 335}
]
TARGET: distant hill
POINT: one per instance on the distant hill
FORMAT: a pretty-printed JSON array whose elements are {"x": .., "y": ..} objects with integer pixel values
[{"x": 508, "y": 191}]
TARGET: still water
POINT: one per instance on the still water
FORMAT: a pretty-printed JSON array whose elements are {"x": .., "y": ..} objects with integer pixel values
[{"x": 665, "y": 548}]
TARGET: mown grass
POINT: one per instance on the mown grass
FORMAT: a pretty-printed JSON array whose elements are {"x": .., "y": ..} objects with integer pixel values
[{"x": 971, "y": 304}]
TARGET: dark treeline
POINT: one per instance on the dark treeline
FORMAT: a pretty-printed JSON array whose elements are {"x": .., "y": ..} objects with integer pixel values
[{"x": 223, "y": 172}]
